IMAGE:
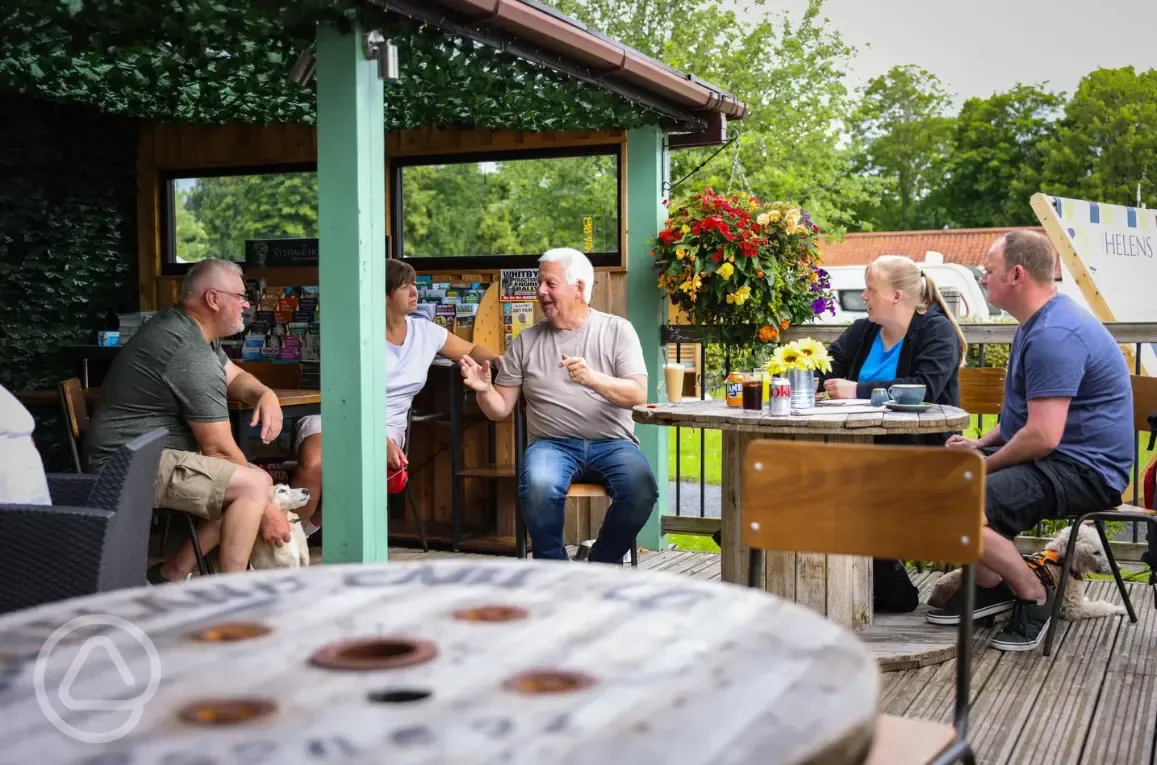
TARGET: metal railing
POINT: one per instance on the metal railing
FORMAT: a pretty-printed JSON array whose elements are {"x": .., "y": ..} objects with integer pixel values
[{"x": 979, "y": 336}]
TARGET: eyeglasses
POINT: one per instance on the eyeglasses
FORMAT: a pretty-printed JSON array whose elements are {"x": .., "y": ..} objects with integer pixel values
[{"x": 240, "y": 295}]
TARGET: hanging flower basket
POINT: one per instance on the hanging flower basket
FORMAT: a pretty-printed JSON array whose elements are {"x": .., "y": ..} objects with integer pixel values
[{"x": 746, "y": 266}]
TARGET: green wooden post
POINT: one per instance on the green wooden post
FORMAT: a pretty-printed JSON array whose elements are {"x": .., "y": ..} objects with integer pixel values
[
  {"x": 352, "y": 274},
  {"x": 646, "y": 304}
]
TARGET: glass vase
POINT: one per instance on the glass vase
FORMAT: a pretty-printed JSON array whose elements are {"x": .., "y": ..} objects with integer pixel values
[{"x": 803, "y": 388}]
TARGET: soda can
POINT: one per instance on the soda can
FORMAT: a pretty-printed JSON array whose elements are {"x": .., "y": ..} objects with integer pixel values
[
  {"x": 779, "y": 397},
  {"x": 734, "y": 387}
]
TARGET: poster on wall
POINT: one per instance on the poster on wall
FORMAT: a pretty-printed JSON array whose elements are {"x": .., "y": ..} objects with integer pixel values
[
  {"x": 519, "y": 283},
  {"x": 1108, "y": 258},
  {"x": 261, "y": 253}
]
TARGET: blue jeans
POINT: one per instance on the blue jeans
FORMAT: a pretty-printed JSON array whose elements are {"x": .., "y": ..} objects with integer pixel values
[{"x": 549, "y": 468}]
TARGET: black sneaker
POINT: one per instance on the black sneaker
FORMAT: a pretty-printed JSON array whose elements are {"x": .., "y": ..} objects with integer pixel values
[
  {"x": 1025, "y": 629},
  {"x": 989, "y": 602},
  {"x": 153, "y": 575}
]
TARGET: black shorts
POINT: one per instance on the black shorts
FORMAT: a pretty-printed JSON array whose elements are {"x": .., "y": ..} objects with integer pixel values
[{"x": 1017, "y": 498}]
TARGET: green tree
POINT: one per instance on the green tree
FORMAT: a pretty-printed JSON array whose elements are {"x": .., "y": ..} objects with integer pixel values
[
  {"x": 192, "y": 241},
  {"x": 997, "y": 151},
  {"x": 232, "y": 209},
  {"x": 902, "y": 133},
  {"x": 790, "y": 73},
  {"x": 1106, "y": 144}
]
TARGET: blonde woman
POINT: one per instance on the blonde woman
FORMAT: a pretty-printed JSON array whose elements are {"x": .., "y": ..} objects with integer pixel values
[{"x": 910, "y": 336}]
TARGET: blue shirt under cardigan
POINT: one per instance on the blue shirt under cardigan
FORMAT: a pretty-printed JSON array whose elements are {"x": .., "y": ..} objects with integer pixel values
[{"x": 881, "y": 364}]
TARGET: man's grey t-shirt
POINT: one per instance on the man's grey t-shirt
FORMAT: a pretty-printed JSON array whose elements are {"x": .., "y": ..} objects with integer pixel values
[
  {"x": 1064, "y": 352},
  {"x": 556, "y": 406},
  {"x": 166, "y": 375}
]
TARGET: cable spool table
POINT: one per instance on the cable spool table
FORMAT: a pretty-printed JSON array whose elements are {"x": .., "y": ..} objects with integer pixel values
[
  {"x": 837, "y": 586},
  {"x": 448, "y": 661}
]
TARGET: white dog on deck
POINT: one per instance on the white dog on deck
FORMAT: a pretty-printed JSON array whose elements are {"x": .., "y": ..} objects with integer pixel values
[
  {"x": 1091, "y": 559},
  {"x": 295, "y": 553}
]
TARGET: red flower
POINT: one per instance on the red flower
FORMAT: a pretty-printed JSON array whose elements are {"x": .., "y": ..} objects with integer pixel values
[
  {"x": 696, "y": 229},
  {"x": 665, "y": 236},
  {"x": 718, "y": 256}
]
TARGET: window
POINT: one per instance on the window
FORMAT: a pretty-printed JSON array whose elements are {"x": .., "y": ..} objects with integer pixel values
[
  {"x": 212, "y": 216},
  {"x": 852, "y": 301},
  {"x": 505, "y": 210}
]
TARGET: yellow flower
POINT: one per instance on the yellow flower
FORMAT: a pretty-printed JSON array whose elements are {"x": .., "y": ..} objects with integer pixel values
[
  {"x": 773, "y": 216},
  {"x": 681, "y": 252},
  {"x": 788, "y": 357},
  {"x": 686, "y": 229},
  {"x": 692, "y": 284},
  {"x": 814, "y": 354},
  {"x": 726, "y": 270},
  {"x": 762, "y": 219},
  {"x": 739, "y": 296},
  {"x": 791, "y": 218}
]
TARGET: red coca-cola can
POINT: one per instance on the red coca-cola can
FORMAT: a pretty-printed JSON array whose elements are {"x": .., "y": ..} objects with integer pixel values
[{"x": 779, "y": 397}]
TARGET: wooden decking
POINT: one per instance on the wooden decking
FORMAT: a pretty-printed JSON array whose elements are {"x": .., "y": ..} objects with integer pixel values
[{"x": 1093, "y": 702}]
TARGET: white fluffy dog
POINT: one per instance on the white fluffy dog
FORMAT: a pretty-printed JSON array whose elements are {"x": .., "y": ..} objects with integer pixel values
[
  {"x": 295, "y": 553},
  {"x": 1091, "y": 559}
]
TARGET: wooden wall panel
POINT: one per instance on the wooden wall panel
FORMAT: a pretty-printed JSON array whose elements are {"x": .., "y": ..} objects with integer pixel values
[{"x": 192, "y": 148}]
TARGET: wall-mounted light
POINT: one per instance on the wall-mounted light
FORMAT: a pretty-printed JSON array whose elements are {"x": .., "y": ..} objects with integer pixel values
[
  {"x": 304, "y": 68},
  {"x": 376, "y": 46}
]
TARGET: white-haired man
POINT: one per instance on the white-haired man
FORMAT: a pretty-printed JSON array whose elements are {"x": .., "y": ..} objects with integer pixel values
[
  {"x": 174, "y": 375},
  {"x": 580, "y": 371}
]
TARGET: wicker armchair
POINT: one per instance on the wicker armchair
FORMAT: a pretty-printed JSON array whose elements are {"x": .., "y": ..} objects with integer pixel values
[{"x": 92, "y": 538}]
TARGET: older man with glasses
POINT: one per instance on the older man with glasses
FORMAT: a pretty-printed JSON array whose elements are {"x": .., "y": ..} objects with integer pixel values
[{"x": 173, "y": 374}]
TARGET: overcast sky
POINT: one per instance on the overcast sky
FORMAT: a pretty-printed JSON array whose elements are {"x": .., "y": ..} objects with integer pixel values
[{"x": 981, "y": 46}]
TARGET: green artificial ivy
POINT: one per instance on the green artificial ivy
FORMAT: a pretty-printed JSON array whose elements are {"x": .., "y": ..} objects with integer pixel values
[
  {"x": 67, "y": 233},
  {"x": 210, "y": 62},
  {"x": 68, "y": 249}
]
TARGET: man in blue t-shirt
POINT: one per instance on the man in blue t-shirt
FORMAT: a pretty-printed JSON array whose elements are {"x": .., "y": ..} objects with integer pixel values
[{"x": 1064, "y": 445}]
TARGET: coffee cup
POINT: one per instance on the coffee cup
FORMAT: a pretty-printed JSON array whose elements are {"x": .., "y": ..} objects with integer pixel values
[
  {"x": 879, "y": 397},
  {"x": 907, "y": 395},
  {"x": 673, "y": 379}
]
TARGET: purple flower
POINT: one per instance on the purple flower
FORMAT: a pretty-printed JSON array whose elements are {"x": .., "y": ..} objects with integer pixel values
[
  {"x": 674, "y": 300},
  {"x": 819, "y": 305}
]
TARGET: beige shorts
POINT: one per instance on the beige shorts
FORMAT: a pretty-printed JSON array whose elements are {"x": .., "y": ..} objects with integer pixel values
[
  {"x": 193, "y": 483},
  {"x": 310, "y": 425}
]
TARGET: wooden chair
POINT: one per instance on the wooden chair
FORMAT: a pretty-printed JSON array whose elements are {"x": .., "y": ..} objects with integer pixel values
[
  {"x": 588, "y": 490},
  {"x": 75, "y": 413},
  {"x": 910, "y": 502},
  {"x": 1144, "y": 404},
  {"x": 982, "y": 390}
]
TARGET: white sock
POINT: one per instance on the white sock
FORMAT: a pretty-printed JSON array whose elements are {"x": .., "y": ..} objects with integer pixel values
[{"x": 308, "y": 527}]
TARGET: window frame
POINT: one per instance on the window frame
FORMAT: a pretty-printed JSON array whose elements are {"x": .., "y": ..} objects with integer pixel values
[
  {"x": 167, "y": 220},
  {"x": 474, "y": 263}
]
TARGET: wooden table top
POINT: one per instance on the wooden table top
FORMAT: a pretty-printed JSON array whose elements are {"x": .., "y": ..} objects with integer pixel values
[
  {"x": 49, "y": 396},
  {"x": 716, "y": 414},
  {"x": 576, "y": 663},
  {"x": 287, "y": 397}
]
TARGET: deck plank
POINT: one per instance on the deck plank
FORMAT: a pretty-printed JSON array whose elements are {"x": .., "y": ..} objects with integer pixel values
[
  {"x": 1124, "y": 728},
  {"x": 1058, "y": 723}
]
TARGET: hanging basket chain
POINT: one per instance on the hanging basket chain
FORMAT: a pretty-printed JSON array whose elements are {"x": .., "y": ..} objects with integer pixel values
[
  {"x": 668, "y": 187},
  {"x": 737, "y": 168}
]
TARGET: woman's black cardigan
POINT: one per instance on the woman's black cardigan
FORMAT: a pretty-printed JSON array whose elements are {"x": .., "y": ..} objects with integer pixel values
[{"x": 930, "y": 356}]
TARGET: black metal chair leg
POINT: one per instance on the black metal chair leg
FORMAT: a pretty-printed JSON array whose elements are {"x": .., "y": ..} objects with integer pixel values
[
  {"x": 202, "y": 564},
  {"x": 1055, "y": 617},
  {"x": 1100, "y": 525},
  {"x": 417, "y": 517},
  {"x": 635, "y": 554},
  {"x": 165, "y": 535}
]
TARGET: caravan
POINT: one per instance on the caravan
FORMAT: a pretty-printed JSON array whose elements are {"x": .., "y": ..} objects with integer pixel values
[{"x": 960, "y": 286}]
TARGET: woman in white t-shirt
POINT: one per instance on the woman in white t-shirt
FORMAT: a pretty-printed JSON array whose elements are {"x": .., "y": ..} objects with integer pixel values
[
  {"x": 412, "y": 342},
  {"x": 22, "y": 479}
]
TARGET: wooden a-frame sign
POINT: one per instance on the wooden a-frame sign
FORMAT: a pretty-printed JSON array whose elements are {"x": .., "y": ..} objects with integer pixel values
[{"x": 1108, "y": 258}]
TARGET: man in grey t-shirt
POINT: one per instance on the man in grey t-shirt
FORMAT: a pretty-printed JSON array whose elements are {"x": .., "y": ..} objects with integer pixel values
[
  {"x": 173, "y": 375},
  {"x": 580, "y": 371},
  {"x": 1064, "y": 444}
]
